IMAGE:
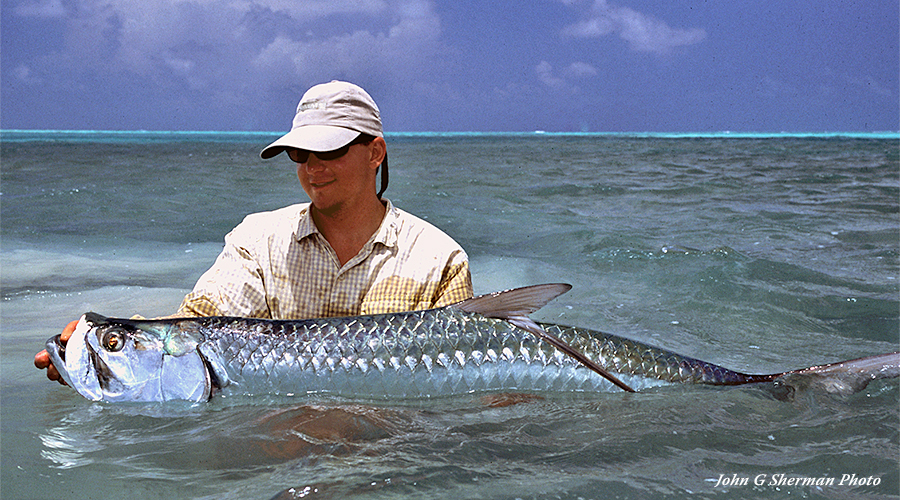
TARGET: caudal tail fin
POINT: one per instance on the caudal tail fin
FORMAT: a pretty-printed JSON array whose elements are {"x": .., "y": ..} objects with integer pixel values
[{"x": 845, "y": 377}]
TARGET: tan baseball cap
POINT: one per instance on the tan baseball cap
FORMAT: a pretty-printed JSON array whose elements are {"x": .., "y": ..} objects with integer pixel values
[{"x": 329, "y": 116}]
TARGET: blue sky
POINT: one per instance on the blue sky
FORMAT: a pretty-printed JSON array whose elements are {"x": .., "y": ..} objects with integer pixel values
[{"x": 454, "y": 65}]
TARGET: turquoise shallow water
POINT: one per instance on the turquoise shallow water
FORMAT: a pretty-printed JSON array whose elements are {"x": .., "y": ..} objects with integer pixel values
[{"x": 760, "y": 253}]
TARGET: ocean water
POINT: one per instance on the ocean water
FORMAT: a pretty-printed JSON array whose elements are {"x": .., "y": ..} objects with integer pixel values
[{"x": 759, "y": 253}]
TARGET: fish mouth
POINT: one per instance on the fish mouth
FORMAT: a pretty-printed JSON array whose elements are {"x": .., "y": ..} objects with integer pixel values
[
  {"x": 57, "y": 351},
  {"x": 78, "y": 379},
  {"x": 102, "y": 371},
  {"x": 56, "y": 345}
]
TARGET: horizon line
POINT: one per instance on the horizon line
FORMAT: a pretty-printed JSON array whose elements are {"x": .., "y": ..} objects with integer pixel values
[{"x": 633, "y": 134}]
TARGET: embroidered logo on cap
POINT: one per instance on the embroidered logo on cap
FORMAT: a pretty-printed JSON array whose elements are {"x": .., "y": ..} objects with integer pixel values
[{"x": 305, "y": 106}]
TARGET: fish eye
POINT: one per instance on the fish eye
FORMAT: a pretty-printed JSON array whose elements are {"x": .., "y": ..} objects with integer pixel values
[{"x": 113, "y": 340}]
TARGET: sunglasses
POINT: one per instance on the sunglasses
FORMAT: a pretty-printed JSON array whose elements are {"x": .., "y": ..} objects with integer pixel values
[{"x": 302, "y": 155}]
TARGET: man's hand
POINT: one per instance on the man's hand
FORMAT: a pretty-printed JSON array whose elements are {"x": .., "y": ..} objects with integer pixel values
[{"x": 42, "y": 359}]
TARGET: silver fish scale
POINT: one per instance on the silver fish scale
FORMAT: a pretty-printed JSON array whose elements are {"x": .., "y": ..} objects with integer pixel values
[
  {"x": 416, "y": 354},
  {"x": 628, "y": 357},
  {"x": 432, "y": 353}
]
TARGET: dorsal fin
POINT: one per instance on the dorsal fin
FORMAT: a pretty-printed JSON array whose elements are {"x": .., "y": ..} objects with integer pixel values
[
  {"x": 517, "y": 302},
  {"x": 515, "y": 306}
]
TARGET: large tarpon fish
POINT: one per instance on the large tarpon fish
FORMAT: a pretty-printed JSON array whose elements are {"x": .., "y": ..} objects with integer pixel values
[{"x": 487, "y": 343}]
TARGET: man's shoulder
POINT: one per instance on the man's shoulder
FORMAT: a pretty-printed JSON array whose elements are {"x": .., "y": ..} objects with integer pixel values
[
  {"x": 412, "y": 222},
  {"x": 272, "y": 222},
  {"x": 290, "y": 212},
  {"x": 409, "y": 225}
]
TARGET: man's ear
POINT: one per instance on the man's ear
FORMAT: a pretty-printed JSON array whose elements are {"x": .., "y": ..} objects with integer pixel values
[{"x": 379, "y": 151}]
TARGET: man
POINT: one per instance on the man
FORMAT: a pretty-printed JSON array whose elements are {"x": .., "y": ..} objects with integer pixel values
[{"x": 347, "y": 252}]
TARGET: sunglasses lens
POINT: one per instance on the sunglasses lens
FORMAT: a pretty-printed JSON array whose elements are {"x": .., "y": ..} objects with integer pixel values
[
  {"x": 298, "y": 155},
  {"x": 302, "y": 155},
  {"x": 332, "y": 155}
]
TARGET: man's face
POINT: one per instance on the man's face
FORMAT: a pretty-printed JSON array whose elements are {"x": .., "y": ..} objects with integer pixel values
[{"x": 333, "y": 180}]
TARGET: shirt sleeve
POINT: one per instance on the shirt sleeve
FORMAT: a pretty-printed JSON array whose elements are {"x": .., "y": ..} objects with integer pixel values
[
  {"x": 234, "y": 285},
  {"x": 456, "y": 284}
]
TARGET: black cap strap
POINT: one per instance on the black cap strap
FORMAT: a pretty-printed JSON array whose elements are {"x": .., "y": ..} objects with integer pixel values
[{"x": 384, "y": 176}]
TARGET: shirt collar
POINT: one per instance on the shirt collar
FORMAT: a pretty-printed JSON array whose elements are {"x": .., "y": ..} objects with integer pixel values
[
  {"x": 387, "y": 234},
  {"x": 306, "y": 227}
]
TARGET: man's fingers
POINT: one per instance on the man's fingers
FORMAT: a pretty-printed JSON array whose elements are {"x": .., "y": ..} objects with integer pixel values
[
  {"x": 53, "y": 374},
  {"x": 67, "y": 331},
  {"x": 42, "y": 359}
]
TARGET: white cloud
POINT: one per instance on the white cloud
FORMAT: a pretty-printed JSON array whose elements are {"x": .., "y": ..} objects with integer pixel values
[
  {"x": 549, "y": 77},
  {"x": 232, "y": 46},
  {"x": 581, "y": 69},
  {"x": 577, "y": 70},
  {"x": 545, "y": 75},
  {"x": 643, "y": 33},
  {"x": 308, "y": 9},
  {"x": 397, "y": 51},
  {"x": 23, "y": 74}
]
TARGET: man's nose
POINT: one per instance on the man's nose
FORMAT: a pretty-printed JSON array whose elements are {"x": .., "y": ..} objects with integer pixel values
[{"x": 314, "y": 163}]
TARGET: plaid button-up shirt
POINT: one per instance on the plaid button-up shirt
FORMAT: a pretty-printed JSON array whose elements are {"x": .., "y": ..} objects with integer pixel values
[{"x": 277, "y": 265}]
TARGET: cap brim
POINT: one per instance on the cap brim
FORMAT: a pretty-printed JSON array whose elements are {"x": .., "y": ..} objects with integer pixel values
[{"x": 311, "y": 138}]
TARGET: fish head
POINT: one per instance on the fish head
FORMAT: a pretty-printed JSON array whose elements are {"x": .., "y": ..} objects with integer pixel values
[{"x": 118, "y": 360}]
